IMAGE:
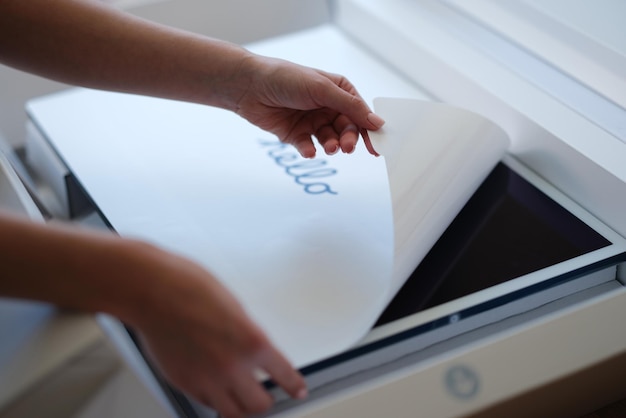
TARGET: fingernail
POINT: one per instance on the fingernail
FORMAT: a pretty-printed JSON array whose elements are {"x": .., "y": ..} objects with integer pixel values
[
  {"x": 302, "y": 393},
  {"x": 334, "y": 150},
  {"x": 349, "y": 128},
  {"x": 375, "y": 120}
]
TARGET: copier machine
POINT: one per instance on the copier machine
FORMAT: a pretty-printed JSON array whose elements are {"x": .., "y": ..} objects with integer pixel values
[{"x": 538, "y": 329}]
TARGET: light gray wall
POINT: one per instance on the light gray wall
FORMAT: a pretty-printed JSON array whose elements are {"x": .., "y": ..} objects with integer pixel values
[{"x": 239, "y": 21}]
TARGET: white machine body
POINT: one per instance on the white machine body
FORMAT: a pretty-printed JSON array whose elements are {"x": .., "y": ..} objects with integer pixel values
[{"x": 568, "y": 138}]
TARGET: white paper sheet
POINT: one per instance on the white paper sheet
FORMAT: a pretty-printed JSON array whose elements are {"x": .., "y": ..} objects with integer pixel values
[
  {"x": 436, "y": 157},
  {"x": 307, "y": 246}
]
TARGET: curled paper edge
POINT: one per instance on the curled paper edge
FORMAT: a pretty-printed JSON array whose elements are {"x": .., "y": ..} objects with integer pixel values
[{"x": 436, "y": 155}]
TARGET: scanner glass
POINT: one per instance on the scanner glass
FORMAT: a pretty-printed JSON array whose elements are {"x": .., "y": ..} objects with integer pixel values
[{"x": 508, "y": 229}]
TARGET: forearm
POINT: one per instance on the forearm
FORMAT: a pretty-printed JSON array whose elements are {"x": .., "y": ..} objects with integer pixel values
[
  {"x": 86, "y": 43},
  {"x": 72, "y": 268}
]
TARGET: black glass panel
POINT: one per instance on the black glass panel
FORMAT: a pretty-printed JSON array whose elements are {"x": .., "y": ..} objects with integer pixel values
[{"x": 507, "y": 229}]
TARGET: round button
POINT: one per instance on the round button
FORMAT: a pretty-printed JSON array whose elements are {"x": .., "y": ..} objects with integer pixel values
[{"x": 462, "y": 382}]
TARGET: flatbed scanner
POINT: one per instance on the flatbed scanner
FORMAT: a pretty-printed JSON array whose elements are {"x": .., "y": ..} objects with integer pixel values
[{"x": 523, "y": 290}]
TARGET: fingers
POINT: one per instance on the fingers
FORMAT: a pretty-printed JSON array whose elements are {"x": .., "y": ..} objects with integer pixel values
[
  {"x": 224, "y": 402},
  {"x": 246, "y": 397},
  {"x": 342, "y": 135},
  {"x": 328, "y": 139},
  {"x": 344, "y": 98},
  {"x": 354, "y": 116},
  {"x": 283, "y": 374},
  {"x": 250, "y": 396},
  {"x": 329, "y": 108},
  {"x": 242, "y": 394},
  {"x": 304, "y": 145},
  {"x": 348, "y": 133}
]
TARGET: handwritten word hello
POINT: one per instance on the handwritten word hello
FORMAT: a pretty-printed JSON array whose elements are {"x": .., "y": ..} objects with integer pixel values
[{"x": 306, "y": 173}]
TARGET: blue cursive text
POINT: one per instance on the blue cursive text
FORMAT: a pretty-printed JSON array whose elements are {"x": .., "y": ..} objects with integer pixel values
[{"x": 307, "y": 173}]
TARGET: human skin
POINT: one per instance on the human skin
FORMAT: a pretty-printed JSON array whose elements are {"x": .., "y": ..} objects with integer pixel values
[
  {"x": 84, "y": 42},
  {"x": 195, "y": 330}
]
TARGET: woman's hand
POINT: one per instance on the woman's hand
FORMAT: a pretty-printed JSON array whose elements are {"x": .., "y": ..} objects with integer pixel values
[
  {"x": 296, "y": 103},
  {"x": 203, "y": 341},
  {"x": 197, "y": 333}
]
